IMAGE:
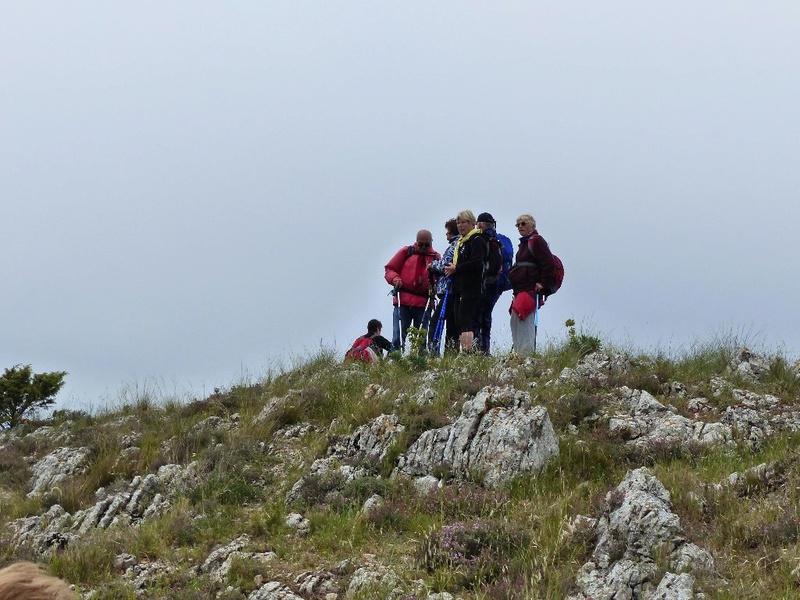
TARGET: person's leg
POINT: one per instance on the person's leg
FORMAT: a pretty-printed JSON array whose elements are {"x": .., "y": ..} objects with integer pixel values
[
  {"x": 487, "y": 306},
  {"x": 416, "y": 314},
  {"x": 466, "y": 316},
  {"x": 514, "y": 324},
  {"x": 477, "y": 324},
  {"x": 456, "y": 321},
  {"x": 418, "y": 317},
  {"x": 522, "y": 334},
  {"x": 451, "y": 325},
  {"x": 405, "y": 323}
]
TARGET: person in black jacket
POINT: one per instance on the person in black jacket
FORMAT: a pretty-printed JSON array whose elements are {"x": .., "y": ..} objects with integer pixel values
[
  {"x": 466, "y": 273},
  {"x": 493, "y": 284}
]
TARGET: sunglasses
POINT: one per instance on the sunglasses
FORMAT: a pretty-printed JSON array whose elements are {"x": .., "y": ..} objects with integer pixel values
[
  {"x": 522, "y": 224},
  {"x": 424, "y": 244}
]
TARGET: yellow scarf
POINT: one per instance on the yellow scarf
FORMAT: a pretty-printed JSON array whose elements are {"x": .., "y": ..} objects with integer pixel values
[{"x": 460, "y": 243}]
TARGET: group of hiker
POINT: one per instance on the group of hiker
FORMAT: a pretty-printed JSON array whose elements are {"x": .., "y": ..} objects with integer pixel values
[{"x": 452, "y": 295}]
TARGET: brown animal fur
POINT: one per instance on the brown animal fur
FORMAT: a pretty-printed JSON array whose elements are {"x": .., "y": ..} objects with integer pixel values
[{"x": 27, "y": 581}]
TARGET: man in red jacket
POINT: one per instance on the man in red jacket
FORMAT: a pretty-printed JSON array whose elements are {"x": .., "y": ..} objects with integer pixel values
[{"x": 407, "y": 272}]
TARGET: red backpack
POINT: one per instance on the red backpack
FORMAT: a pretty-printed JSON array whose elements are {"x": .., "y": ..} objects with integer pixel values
[
  {"x": 362, "y": 350},
  {"x": 557, "y": 265}
]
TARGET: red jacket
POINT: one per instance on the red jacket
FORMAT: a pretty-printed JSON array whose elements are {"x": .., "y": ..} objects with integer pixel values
[{"x": 410, "y": 264}]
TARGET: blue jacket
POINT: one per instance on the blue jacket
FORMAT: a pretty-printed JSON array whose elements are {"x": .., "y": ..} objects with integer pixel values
[{"x": 437, "y": 266}]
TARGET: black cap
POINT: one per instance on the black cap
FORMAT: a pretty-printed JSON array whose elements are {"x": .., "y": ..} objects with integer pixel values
[{"x": 485, "y": 218}]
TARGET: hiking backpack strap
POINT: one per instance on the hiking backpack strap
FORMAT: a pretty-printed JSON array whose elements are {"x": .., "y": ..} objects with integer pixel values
[{"x": 529, "y": 246}]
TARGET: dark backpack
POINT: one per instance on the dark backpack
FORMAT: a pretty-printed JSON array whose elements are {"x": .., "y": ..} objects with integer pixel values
[
  {"x": 492, "y": 264},
  {"x": 362, "y": 350},
  {"x": 558, "y": 267}
]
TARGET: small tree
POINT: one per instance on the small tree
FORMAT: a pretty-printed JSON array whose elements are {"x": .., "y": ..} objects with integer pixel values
[{"x": 22, "y": 391}]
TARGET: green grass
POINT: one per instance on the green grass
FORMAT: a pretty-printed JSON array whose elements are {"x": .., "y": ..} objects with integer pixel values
[{"x": 512, "y": 537}]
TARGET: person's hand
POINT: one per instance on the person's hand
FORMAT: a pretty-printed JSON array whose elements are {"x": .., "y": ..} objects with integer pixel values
[
  {"x": 449, "y": 269},
  {"x": 538, "y": 288},
  {"x": 397, "y": 282}
]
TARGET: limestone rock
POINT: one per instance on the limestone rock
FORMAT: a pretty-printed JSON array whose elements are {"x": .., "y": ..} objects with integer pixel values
[
  {"x": 646, "y": 422},
  {"x": 498, "y": 436},
  {"x": 57, "y": 467},
  {"x": 749, "y": 365},
  {"x": 274, "y": 591},
  {"x": 637, "y": 526}
]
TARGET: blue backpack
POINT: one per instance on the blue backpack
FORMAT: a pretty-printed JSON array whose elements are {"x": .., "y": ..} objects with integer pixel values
[{"x": 507, "y": 251}]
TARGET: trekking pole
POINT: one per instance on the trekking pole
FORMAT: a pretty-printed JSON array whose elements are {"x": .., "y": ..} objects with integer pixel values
[
  {"x": 535, "y": 322},
  {"x": 437, "y": 334},
  {"x": 395, "y": 320},
  {"x": 400, "y": 323}
]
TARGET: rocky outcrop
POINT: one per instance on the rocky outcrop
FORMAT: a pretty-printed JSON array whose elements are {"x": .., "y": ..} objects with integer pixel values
[
  {"x": 749, "y": 365},
  {"x": 143, "y": 498},
  {"x": 596, "y": 367},
  {"x": 644, "y": 421},
  {"x": 369, "y": 442},
  {"x": 638, "y": 528},
  {"x": 354, "y": 456},
  {"x": 57, "y": 467},
  {"x": 498, "y": 436}
]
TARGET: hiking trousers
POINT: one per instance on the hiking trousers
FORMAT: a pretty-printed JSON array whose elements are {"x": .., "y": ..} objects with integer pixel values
[
  {"x": 483, "y": 320},
  {"x": 412, "y": 315},
  {"x": 523, "y": 334},
  {"x": 464, "y": 308},
  {"x": 395, "y": 329}
]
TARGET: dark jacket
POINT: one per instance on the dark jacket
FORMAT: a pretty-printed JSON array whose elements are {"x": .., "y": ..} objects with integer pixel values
[
  {"x": 469, "y": 266},
  {"x": 379, "y": 342},
  {"x": 532, "y": 267}
]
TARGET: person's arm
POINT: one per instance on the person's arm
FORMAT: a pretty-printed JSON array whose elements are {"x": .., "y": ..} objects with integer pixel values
[
  {"x": 437, "y": 266},
  {"x": 544, "y": 261},
  {"x": 394, "y": 267},
  {"x": 382, "y": 343}
]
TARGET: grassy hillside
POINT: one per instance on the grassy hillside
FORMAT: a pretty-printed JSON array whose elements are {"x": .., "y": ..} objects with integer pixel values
[{"x": 513, "y": 542}]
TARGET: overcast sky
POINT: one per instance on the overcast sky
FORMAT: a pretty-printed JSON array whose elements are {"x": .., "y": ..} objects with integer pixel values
[{"x": 193, "y": 193}]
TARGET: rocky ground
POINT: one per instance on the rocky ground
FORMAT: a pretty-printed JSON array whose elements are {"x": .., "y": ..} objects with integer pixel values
[{"x": 637, "y": 546}]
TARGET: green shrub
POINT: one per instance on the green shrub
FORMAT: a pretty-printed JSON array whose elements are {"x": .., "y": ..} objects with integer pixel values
[
  {"x": 581, "y": 343},
  {"x": 23, "y": 392}
]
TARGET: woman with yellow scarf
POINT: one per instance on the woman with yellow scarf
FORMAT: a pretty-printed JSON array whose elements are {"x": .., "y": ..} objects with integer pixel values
[{"x": 466, "y": 273}]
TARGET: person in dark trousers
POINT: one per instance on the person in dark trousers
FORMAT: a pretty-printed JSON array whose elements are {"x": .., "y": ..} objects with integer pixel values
[
  {"x": 466, "y": 272},
  {"x": 407, "y": 273},
  {"x": 532, "y": 277},
  {"x": 443, "y": 285},
  {"x": 492, "y": 288}
]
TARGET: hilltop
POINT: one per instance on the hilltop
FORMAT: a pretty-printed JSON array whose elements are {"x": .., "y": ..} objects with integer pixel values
[{"x": 580, "y": 473}]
